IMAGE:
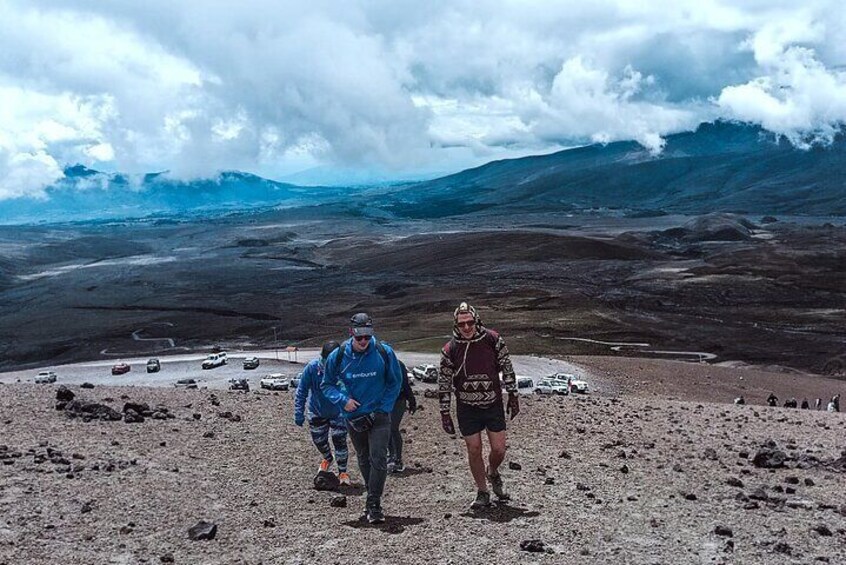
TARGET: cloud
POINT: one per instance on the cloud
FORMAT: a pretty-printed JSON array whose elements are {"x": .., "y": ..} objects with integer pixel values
[{"x": 276, "y": 86}]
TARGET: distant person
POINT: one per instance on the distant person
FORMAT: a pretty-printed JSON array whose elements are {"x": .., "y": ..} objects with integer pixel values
[
  {"x": 836, "y": 401},
  {"x": 790, "y": 403},
  {"x": 405, "y": 400},
  {"x": 818, "y": 404},
  {"x": 323, "y": 416},
  {"x": 363, "y": 377},
  {"x": 740, "y": 401},
  {"x": 471, "y": 363},
  {"x": 805, "y": 404},
  {"x": 772, "y": 400}
]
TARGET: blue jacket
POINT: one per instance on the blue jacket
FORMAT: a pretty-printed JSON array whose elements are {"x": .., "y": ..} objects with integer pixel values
[
  {"x": 309, "y": 388},
  {"x": 364, "y": 377}
]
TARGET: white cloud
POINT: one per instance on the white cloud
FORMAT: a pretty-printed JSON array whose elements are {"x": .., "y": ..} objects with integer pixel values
[{"x": 274, "y": 86}]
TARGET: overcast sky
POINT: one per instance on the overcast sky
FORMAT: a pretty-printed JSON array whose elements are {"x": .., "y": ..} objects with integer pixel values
[{"x": 398, "y": 88}]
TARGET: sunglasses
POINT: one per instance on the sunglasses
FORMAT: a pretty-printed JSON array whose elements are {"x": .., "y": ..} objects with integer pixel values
[
  {"x": 362, "y": 338},
  {"x": 469, "y": 324}
]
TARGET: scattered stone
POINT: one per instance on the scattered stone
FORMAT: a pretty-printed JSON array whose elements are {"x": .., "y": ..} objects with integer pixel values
[
  {"x": 208, "y": 435},
  {"x": 724, "y": 531},
  {"x": 690, "y": 496},
  {"x": 710, "y": 454},
  {"x": 791, "y": 480},
  {"x": 197, "y": 416},
  {"x": 769, "y": 457},
  {"x": 514, "y": 466},
  {"x": 549, "y": 481},
  {"x": 564, "y": 455},
  {"x": 809, "y": 482},
  {"x": 678, "y": 468},
  {"x": 202, "y": 530},
  {"x": 535, "y": 546},
  {"x": 269, "y": 523},
  {"x": 734, "y": 482},
  {"x": 822, "y": 530},
  {"x": 783, "y": 547},
  {"x": 166, "y": 558},
  {"x": 86, "y": 385},
  {"x": 132, "y": 417},
  {"x": 64, "y": 394},
  {"x": 624, "y": 469},
  {"x": 338, "y": 501}
]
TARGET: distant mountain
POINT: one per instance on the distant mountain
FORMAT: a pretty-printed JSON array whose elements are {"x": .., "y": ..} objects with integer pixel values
[
  {"x": 721, "y": 167},
  {"x": 85, "y": 194}
]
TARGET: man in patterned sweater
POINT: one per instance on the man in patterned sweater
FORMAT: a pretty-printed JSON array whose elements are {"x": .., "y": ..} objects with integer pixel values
[{"x": 471, "y": 363}]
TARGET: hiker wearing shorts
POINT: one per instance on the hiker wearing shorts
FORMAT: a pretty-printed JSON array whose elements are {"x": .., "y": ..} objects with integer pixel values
[
  {"x": 324, "y": 418},
  {"x": 471, "y": 363}
]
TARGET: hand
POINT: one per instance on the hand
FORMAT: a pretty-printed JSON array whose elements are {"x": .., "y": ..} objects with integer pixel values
[
  {"x": 412, "y": 407},
  {"x": 446, "y": 423},
  {"x": 299, "y": 420},
  {"x": 513, "y": 407},
  {"x": 351, "y": 405}
]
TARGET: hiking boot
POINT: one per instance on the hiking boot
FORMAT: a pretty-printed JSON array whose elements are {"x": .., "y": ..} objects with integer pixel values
[
  {"x": 399, "y": 467},
  {"x": 497, "y": 487},
  {"x": 483, "y": 500},
  {"x": 324, "y": 465},
  {"x": 375, "y": 515},
  {"x": 344, "y": 478}
]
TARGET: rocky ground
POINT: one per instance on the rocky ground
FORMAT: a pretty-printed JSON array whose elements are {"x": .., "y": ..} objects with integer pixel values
[{"x": 624, "y": 478}]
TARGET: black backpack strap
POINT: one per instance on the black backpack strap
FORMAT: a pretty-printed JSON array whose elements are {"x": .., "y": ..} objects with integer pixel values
[{"x": 340, "y": 357}]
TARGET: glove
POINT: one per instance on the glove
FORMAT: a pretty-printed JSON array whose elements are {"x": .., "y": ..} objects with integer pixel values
[
  {"x": 412, "y": 406},
  {"x": 513, "y": 407},
  {"x": 299, "y": 420},
  {"x": 446, "y": 423}
]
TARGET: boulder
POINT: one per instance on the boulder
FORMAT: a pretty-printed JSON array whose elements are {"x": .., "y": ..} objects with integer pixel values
[
  {"x": 132, "y": 417},
  {"x": 325, "y": 480}
]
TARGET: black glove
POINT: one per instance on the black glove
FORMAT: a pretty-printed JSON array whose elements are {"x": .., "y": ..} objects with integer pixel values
[
  {"x": 513, "y": 407},
  {"x": 412, "y": 405},
  {"x": 446, "y": 423}
]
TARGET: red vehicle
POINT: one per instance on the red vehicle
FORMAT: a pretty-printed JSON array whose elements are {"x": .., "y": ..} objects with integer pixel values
[{"x": 120, "y": 369}]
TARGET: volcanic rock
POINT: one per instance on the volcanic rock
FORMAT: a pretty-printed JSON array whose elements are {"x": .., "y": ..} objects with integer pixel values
[
  {"x": 64, "y": 394},
  {"x": 202, "y": 530}
]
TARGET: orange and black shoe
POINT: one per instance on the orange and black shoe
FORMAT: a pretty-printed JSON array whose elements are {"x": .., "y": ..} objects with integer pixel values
[
  {"x": 344, "y": 478},
  {"x": 324, "y": 465}
]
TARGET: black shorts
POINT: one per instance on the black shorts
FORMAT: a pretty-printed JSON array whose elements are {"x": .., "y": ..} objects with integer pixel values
[{"x": 472, "y": 420}]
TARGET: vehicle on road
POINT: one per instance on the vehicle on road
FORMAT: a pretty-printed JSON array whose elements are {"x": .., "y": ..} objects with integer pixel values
[
  {"x": 45, "y": 377},
  {"x": 575, "y": 383},
  {"x": 186, "y": 383},
  {"x": 525, "y": 382},
  {"x": 120, "y": 369},
  {"x": 153, "y": 366},
  {"x": 239, "y": 384},
  {"x": 214, "y": 360},
  {"x": 275, "y": 381},
  {"x": 549, "y": 385},
  {"x": 251, "y": 363},
  {"x": 425, "y": 373},
  {"x": 295, "y": 382}
]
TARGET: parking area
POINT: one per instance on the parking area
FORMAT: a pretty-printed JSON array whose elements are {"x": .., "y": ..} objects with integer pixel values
[{"x": 188, "y": 366}]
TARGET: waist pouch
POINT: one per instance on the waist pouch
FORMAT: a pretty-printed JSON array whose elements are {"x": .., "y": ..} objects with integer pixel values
[{"x": 361, "y": 423}]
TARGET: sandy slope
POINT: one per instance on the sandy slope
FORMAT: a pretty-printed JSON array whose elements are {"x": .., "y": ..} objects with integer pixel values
[{"x": 253, "y": 478}]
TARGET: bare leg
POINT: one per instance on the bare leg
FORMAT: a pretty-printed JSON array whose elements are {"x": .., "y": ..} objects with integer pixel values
[
  {"x": 497, "y": 454},
  {"x": 477, "y": 462}
]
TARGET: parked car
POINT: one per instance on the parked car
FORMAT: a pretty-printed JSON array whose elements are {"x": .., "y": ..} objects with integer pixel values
[
  {"x": 274, "y": 381},
  {"x": 45, "y": 377},
  {"x": 575, "y": 383},
  {"x": 425, "y": 373},
  {"x": 186, "y": 383},
  {"x": 239, "y": 384},
  {"x": 214, "y": 360},
  {"x": 251, "y": 363},
  {"x": 295, "y": 382},
  {"x": 549, "y": 385},
  {"x": 120, "y": 369},
  {"x": 153, "y": 366},
  {"x": 525, "y": 382}
]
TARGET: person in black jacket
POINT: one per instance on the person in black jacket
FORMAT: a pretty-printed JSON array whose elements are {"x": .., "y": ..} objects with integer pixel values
[{"x": 405, "y": 399}]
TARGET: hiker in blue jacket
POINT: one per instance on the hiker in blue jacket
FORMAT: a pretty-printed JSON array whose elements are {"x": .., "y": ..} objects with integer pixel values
[
  {"x": 362, "y": 377},
  {"x": 323, "y": 416}
]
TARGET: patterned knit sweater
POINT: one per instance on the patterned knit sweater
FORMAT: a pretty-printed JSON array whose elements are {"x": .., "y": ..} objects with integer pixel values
[{"x": 471, "y": 368}]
